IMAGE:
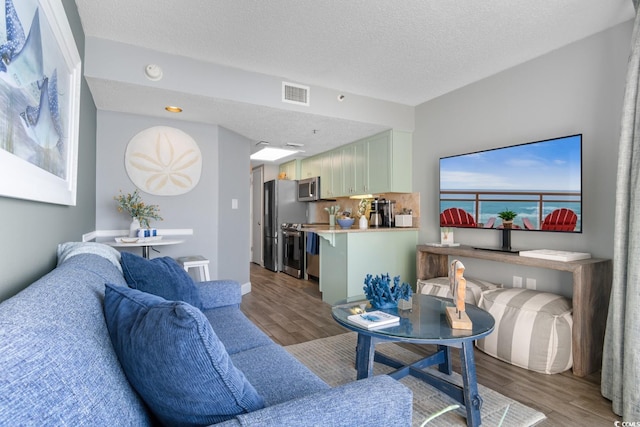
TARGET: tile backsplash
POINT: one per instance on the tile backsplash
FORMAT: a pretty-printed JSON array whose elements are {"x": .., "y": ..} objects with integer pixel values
[{"x": 408, "y": 201}]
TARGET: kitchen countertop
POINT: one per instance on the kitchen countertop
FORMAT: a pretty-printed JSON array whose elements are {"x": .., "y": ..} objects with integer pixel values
[{"x": 337, "y": 229}]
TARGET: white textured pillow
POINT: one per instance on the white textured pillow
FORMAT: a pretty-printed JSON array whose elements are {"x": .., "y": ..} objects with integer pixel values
[
  {"x": 439, "y": 286},
  {"x": 70, "y": 249}
]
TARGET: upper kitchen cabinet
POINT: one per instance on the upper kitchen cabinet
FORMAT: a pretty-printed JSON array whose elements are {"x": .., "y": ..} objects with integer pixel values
[
  {"x": 389, "y": 155},
  {"x": 326, "y": 177},
  {"x": 310, "y": 167},
  {"x": 331, "y": 174},
  {"x": 373, "y": 165},
  {"x": 337, "y": 170},
  {"x": 378, "y": 164},
  {"x": 291, "y": 169},
  {"x": 355, "y": 168}
]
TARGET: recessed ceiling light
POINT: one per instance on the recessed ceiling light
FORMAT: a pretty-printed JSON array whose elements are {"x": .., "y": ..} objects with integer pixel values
[
  {"x": 173, "y": 109},
  {"x": 270, "y": 154}
]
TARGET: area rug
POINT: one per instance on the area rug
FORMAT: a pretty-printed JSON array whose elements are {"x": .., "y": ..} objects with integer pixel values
[{"x": 332, "y": 359}]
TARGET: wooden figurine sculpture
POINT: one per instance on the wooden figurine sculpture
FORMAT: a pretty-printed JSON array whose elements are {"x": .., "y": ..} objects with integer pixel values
[{"x": 456, "y": 316}]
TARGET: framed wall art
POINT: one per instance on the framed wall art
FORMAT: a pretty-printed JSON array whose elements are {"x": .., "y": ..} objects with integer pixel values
[{"x": 40, "y": 77}]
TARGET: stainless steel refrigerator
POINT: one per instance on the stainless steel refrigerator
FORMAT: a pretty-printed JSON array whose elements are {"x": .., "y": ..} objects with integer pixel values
[{"x": 280, "y": 206}]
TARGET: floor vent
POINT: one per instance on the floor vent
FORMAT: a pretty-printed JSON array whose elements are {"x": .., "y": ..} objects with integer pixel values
[{"x": 295, "y": 94}]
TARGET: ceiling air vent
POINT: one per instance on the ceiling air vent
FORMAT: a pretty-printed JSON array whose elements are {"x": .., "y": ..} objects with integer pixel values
[{"x": 295, "y": 94}]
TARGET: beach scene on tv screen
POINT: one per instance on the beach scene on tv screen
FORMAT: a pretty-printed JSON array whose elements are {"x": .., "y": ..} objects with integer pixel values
[{"x": 540, "y": 181}]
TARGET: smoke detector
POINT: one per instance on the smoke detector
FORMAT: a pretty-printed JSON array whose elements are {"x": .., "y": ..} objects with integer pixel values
[{"x": 153, "y": 72}]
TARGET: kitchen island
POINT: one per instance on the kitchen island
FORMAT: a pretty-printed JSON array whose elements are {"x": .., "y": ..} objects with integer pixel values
[{"x": 348, "y": 255}]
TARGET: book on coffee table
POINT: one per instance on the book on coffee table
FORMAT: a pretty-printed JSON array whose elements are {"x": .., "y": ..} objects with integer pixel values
[{"x": 374, "y": 319}]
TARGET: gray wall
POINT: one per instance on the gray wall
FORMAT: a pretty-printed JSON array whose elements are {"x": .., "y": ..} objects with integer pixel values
[
  {"x": 31, "y": 231},
  {"x": 234, "y": 247},
  {"x": 576, "y": 89},
  {"x": 221, "y": 234},
  {"x": 196, "y": 209}
]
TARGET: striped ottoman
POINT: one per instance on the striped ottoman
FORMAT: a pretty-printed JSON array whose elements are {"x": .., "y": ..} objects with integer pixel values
[
  {"x": 533, "y": 329},
  {"x": 439, "y": 286}
]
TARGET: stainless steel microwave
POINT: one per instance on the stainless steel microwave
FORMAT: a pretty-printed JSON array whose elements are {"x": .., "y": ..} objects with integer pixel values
[{"x": 309, "y": 189}]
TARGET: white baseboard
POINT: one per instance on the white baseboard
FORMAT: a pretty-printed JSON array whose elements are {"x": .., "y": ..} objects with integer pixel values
[{"x": 245, "y": 288}]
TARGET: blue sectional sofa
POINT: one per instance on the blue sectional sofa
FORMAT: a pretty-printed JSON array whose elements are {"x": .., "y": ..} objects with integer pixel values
[{"x": 58, "y": 365}]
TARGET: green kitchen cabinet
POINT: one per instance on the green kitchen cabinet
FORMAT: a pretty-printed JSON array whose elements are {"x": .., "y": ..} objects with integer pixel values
[
  {"x": 331, "y": 174},
  {"x": 378, "y": 164},
  {"x": 310, "y": 167},
  {"x": 389, "y": 155},
  {"x": 337, "y": 172},
  {"x": 360, "y": 168},
  {"x": 291, "y": 169},
  {"x": 355, "y": 168},
  {"x": 326, "y": 176}
]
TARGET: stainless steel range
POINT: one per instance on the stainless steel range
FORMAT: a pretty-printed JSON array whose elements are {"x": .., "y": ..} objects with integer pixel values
[{"x": 293, "y": 250}]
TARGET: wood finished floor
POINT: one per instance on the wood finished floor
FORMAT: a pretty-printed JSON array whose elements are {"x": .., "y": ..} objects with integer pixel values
[{"x": 291, "y": 311}]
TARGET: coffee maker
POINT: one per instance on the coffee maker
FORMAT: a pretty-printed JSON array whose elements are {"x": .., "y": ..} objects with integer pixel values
[
  {"x": 382, "y": 213},
  {"x": 375, "y": 218}
]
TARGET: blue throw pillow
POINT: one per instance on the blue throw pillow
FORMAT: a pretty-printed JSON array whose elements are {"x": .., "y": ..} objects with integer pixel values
[
  {"x": 160, "y": 276},
  {"x": 174, "y": 360}
]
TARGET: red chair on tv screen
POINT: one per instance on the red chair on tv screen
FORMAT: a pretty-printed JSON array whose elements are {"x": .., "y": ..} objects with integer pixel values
[
  {"x": 456, "y": 217},
  {"x": 560, "y": 220}
]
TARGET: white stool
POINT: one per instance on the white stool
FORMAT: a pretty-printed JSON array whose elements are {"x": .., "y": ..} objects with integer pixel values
[{"x": 196, "y": 261}]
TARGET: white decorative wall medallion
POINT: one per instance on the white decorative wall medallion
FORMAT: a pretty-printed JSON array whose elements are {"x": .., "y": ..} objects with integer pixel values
[{"x": 164, "y": 161}]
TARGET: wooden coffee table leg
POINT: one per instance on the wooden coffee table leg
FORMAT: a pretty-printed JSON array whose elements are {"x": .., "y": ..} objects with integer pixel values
[
  {"x": 365, "y": 351},
  {"x": 472, "y": 399}
]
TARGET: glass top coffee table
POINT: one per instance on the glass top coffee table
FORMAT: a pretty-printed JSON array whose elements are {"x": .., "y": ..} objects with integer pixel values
[{"x": 424, "y": 323}]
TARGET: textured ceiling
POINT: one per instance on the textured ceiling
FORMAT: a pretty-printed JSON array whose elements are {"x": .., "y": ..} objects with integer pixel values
[{"x": 406, "y": 51}]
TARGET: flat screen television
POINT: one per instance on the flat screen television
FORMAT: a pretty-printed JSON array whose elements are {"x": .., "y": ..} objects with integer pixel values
[{"x": 540, "y": 181}]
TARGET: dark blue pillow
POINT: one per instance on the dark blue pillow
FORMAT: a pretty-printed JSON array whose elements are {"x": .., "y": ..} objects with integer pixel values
[
  {"x": 160, "y": 276},
  {"x": 174, "y": 360}
]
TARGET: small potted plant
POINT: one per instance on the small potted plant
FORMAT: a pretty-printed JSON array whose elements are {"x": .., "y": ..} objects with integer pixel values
[{"x": 507, "y": 216}]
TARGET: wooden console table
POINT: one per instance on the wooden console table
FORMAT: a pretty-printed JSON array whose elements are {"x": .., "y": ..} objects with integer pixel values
[{"x": 591, "y": 290}]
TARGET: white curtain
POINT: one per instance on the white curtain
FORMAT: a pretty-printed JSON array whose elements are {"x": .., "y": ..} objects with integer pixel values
[{"x": 621, "y": 357}]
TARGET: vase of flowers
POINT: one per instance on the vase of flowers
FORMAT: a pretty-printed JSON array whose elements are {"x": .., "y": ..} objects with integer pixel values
[
  {"x": 363, "y": 223},
  {"x": 133, "y": 227},
  {"x": 140, "y": 212}
]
